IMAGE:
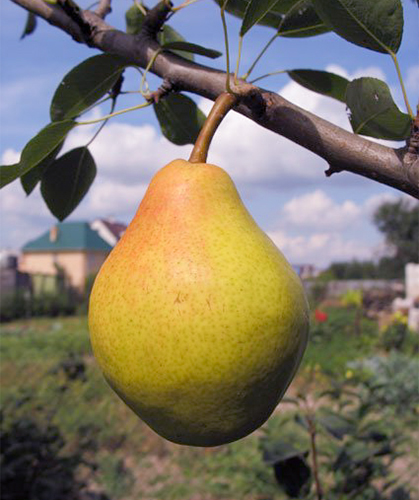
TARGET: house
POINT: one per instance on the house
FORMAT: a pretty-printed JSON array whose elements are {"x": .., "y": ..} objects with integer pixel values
[
  {"x": 306, "y": 271},
  {"x": 11, "y": 279},
  {"x": 71, "y": 248},
  {"x": 109, "y": 229}
]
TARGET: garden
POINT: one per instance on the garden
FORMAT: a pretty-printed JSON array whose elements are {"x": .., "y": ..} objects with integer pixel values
[{"x": 346, "y": 428}]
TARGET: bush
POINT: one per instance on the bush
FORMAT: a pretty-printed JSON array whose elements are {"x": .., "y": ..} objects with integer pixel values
[
  {"x": 341, "y": 445},
  {"x": 23, "y": 305},
  {"x": 14, "y": 305},
  {"x": 52, "y": 305}
]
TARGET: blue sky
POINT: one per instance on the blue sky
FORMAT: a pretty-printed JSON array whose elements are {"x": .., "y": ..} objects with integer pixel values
[{"x": 312, "y": 218}]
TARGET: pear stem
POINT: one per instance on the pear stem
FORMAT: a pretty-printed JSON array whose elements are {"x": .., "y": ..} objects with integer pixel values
[{"x": 222, "y": 106}]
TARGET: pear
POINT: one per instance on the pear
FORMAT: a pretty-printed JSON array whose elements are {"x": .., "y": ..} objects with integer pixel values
[{"x": 197, "y": 320}]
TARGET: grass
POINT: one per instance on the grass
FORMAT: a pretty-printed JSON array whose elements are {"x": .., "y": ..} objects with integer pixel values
[{"x": 48, "y": 374}]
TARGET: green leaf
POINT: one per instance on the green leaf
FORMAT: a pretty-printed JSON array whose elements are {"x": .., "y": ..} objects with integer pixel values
[
  {"x": 30, "y": 25},
  {"x": 322, "y": 82},
  {"x": 271, "y": 19},
  {"x": 134, "y": 19},
  {"x": 337, "y": 425},
  {"x": 277, "y": 450},
  {"x": 31, "y": 178},
  {"x": 374, "y": 24},
  {"x": 373, "y": 111},
  {"x": 38, "y": 148},
  {"x": 302, "y": 21},
  {"x": 170, "y": 35},
  {"x": 294, "y": 476},
  {"x": 255, "y": 11},
  {"x": 85, "y": 84},
  {"x": 67, "y": 180},
  {"x": 180, "y": 118},
  {"x": 191, "y": 47}
]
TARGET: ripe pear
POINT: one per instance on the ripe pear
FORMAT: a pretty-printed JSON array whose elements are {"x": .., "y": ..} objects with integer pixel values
[{"x": 197, "y": 320}]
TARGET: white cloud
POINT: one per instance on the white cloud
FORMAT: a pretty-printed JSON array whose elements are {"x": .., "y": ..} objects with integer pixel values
[
  {"x": 412, "y": 79},
  {"x": 313, "y": 228},
  {"x": 9, "y": 157},
  {"x": 317, "y": 210},
  {"x": 128, "y": 153},
  {"x": 320, "y": 248}
]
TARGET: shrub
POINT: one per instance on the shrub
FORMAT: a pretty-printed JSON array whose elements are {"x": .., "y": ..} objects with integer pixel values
[{"x": 14, "y": 305}]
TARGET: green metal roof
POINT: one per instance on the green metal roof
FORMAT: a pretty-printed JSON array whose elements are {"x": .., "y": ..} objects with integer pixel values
[{"x": 70, "y": 236}]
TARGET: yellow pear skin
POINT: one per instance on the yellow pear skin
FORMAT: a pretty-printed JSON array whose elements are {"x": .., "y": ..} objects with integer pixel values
[{"x": 196, "y": 319}]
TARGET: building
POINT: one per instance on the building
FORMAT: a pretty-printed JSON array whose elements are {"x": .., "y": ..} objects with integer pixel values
[
  {"x": 71, "y": 248},
  {"x": 306, "y": 271},
  {"x": 109, "y": 229},
  {"x": 11, "y": 279}
]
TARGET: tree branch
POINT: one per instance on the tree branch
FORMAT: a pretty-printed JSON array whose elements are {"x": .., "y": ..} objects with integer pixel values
[
  {"x": 342, "y": 150},
  {"x": 103, "y": 9}
]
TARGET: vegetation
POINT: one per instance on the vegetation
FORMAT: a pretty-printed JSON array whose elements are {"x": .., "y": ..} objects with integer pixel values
[
  {"x": 22, "y": 304},
  {"x": 358, "y": 391}
]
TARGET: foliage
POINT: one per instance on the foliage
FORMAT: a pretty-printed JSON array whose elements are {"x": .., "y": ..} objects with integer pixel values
[
  {"x": 34, "y": 465},
  {"x": 342, "y": 447},
  {"x": 20, "y": 305},
  {"x": 399, "y": 223},
  {"x": 353, "y": 270},
  {"x": 390, "y": 382},
  {"x": 352, "y": 298},
  {"x": 13, "y": 305},
  {"x": 373, "y": 25},
  {"x": 342, "y": 337}
]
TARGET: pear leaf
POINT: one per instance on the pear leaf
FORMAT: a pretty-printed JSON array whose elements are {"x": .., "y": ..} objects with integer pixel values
[
  {"x": 373, "y": 111},
  {"x": 30, "y": 180},
  {"x": 85, "y": 84},
  {"x": 302, "y": 21},
  {"x": 294, "y": 476},
  {"x": 38, "y": 148},
  {"x": 134, "y": 18},
  {"x": 374, "y": 24},
  {"x": 191, "y": 47},
  {"x": 67, "y": 180},
  {"x": 170, "y": 35},
  {"x": 337, "y": 425},
  {"x": 30, "y": 25},
  {"x": 271, "y": 19},
  {"x": 180, "y": 118},
  {"x": 255, "y": 11},
  {"x": 322, "y": 82}
]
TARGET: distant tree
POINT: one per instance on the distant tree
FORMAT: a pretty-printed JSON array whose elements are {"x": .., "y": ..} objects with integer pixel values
[
  {"x": 399, "y": 222},
  {"x": 353, "y": 270}
]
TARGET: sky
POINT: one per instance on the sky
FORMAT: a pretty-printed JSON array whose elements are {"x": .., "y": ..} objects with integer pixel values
[{"x": 313, "y": 219}]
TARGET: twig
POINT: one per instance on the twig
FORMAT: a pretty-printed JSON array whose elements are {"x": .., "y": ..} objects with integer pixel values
[
  {"x": 165, "y": 88},
  {"x": 103, "y": 9},
  {"x": 155, "y": 19},
  {"x": 312, "y": 432}
]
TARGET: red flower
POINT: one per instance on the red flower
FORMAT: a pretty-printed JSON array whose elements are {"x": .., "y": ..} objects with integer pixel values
[{"x": 320, "y": 316}]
